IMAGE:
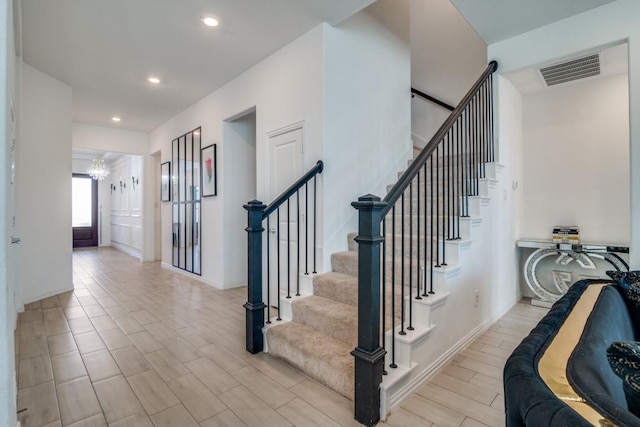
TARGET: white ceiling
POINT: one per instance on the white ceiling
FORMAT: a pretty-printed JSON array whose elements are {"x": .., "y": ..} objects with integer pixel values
[
  {"x": 496, "y": 20},
  {"x": 106, "y": 49}
]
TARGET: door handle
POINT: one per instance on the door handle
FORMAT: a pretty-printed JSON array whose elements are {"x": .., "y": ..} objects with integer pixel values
[
  {"x": 273, "y": 230},
  {"x": 15, "y": 240}
]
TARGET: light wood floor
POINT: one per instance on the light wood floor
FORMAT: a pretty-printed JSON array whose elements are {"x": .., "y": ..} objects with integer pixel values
[{"x": 138, "y": 345}]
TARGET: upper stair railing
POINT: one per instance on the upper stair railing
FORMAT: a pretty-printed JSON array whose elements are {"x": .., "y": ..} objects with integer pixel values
[
  {"x": 402, "y": 239},
  {"x": 430, "y": 98},
  {"x": 284, "y": 266}
]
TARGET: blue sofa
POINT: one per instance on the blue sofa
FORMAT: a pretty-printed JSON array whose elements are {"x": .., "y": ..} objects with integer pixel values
[{"x": 533, "y": 399}]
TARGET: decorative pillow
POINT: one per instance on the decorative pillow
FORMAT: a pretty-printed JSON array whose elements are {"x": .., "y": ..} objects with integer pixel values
[
  {"x": 625, "y": 279},
  {"x": 629, "y": 283},
  {"x": 624, "y": 358}
]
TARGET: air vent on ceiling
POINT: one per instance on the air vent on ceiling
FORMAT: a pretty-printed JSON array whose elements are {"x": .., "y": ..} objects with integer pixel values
[{"x": 574, "y": 69}]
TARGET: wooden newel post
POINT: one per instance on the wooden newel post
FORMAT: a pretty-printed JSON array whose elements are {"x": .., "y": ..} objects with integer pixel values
[
  {"x": 369, "y": 356},
  {"x": 254, "y": 305}
]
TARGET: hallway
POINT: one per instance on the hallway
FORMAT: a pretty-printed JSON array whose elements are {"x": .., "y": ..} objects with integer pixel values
[{"x": 139, "y": 345}]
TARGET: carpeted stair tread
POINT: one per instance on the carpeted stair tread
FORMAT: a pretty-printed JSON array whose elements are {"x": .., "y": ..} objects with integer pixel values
[
  {"x": 322, "y": 357},
  {"x": 337, "y": 286},
  {"x": 332, "y": 318},
  {"x": 345, "y": 262}
]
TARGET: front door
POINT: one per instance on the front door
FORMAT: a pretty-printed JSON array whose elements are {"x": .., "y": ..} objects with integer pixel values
[
  {"x": 286, "y": 165},
  {"x": 84, "y": 193}
]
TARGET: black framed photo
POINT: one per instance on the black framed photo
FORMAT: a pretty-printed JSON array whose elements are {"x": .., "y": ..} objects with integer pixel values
[
  {"x": 165, "y": 182},
  {"x": 209, "y": 171}
]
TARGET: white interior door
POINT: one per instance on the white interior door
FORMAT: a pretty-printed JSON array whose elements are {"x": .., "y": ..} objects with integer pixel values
[{"x": 286, "y": 165}]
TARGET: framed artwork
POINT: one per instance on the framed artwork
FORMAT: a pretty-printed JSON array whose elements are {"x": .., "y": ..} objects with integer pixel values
[
  {"x": 209, "y": 171},
  {"x": 165, "y": 182}
]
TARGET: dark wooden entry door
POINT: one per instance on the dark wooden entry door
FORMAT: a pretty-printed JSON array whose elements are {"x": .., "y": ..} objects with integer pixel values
[{"x": 85, "y": 211}]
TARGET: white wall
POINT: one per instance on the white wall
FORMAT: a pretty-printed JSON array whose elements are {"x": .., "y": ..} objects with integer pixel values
[
  {"x": 7, "y": 308},
  {"x": 367, "y": 113},
  {"x": 239, "y": 187},
  {"x": 576, "y": 142},
  {"x": 507, "y": 206},
  {"x": 600, "y": 27},
  {"x": 284, "y": 88},
  {"x": 447, "y": 56},
  {"x": 126, "y": 214},
  {"x": 44, "y": 171},
  {"x": 81, "y": 165},
  {"x": 110, "y": 139}
]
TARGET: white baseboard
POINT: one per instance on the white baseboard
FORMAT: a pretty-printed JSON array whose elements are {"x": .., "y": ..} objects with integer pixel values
[
  {"x": 127, "y": 250},
  {"x": 388, "y": 403},
  {"x": 38, "y": 297},
  {"x": 201, "y": 279}
]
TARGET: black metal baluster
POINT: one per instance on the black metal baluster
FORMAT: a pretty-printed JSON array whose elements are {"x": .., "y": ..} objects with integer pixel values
[
  {"x": 471, "y": 145},
  {"x": 426, "y": 233},
  {"x": 402, "y": 260},
  {"x": 288, "y": 249},
  {"x": 470, "y": 129},
  {"x": 485, "y": 134},
  {"x": 298, "y": 243},
  {"x": 485, "y": 120},
  {"x": 383, "y": 299},
  {"x": 306, "y": 225},
  {"x": 482, "y": 130},
  {"x": 465, "y": 170},
  {"x": 445, "y": 201},
  {"x": 452, "y": 182},
  {"x": 410, "y": 327},
  {"x": 437, "y": 203},
  {"x": 456, "y": 199},
  {"x": 315, "y": 222},
  {"x": 450, "y": 188},
  {"x": 418, "y": 267},
  {"x": 393, "y": 288},
  {"x": 477, "y": 138},
  {"x": 431, "y": 237},
  {"x": 278, "y": 257},
  {"x": 268, "y": 273},
  {"x": 492, "y": 136}
]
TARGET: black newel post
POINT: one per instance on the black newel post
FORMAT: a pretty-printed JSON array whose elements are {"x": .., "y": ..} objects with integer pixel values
[
  {"x": 369, "y": 356},
  {"x": 254, "y": 306}
]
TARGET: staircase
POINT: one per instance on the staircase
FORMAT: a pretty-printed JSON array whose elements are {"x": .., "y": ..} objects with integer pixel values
[
  {"x": 369, "y": 328},
  {"x": 319, "y": 330}
]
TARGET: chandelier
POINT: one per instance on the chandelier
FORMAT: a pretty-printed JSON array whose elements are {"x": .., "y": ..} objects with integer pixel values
[{"x": 98, "y": 171}]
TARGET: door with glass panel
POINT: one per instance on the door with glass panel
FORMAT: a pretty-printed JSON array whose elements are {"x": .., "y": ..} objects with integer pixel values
[
  {"x": 185, "y": 199},
  {"x": 84, "y": 212}
]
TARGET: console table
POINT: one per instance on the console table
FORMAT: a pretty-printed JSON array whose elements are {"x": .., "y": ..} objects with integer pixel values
[{"x": 565, "y": 253}]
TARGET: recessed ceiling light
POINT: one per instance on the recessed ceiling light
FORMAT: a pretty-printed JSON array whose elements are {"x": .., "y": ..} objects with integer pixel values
[
  {"x": 116, "y": 118},
  {"x": 153, "y": 80},
  {"x": 210, "y": 21}
]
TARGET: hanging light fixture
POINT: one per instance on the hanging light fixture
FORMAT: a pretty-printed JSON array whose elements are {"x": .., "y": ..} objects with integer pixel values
[{"x": 98, "y": 170}]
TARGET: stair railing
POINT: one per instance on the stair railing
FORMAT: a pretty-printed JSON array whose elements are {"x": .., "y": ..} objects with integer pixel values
[
  {"x": 430, "y": 98},
  {"x": 392, "y": 266},
  {"x": 258, "y": 213}
]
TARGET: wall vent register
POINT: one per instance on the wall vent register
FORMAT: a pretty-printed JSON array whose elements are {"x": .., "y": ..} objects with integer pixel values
[{"x": 568, "y": 71}]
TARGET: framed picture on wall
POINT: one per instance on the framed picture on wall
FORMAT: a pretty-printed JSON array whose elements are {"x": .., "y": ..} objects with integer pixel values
[
  {"x": 165, "y": 182},
  {"x": 209, "y": 171}
]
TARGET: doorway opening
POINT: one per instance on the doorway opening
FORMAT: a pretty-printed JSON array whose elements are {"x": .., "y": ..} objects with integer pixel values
[
  {"x": 239, "y": 186},
  {"x": 84, "y": 212}
]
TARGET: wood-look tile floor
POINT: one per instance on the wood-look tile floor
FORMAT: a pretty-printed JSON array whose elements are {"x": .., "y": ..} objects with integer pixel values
[{"x": 138, "y": 345}]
